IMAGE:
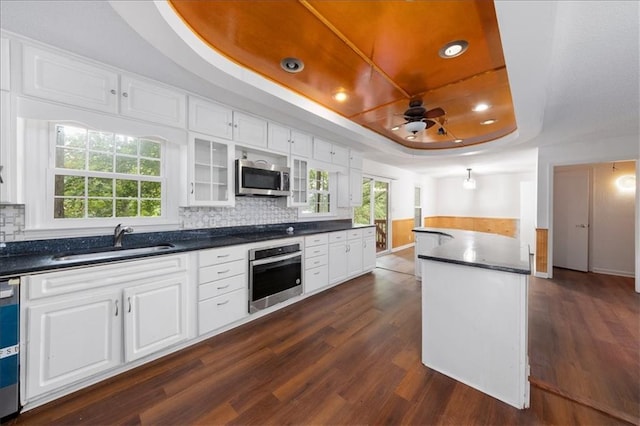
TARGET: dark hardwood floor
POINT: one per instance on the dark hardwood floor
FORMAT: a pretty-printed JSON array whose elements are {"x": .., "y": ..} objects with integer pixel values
[{"x": 351, "y": 355}]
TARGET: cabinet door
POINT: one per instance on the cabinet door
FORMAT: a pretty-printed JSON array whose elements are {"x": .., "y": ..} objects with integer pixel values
[
  {"x": 279, "y": 138},
  {"x": 211, "y": 172},
  {"x": 355, "y": 187},
  {"x": 155, "y": 316},
  {"x": 222, "y": 310},
  {"x": 72, "y": 340},
  {"x": 340, "y": 155},
  {"x": 249, "y": 130},
  {"x": 299, "y": 183},
  {"x": 337, "y": 262},
  {"x": 355, "y": 160},
  {"x": 5, "y": 68},
  {"x": 149, "y": 101},
  {"x": 62, "y": 79},
  {"x": 322, "y": 150},
  {"x": 316, "y": 278},
  {"x": 210, "y": 118},
  {"x": 8, "y": 185},
  {"x": 301, "y": 144},
  {"x": 368, "y": 253},
  {"x": 354, "y": 257}
]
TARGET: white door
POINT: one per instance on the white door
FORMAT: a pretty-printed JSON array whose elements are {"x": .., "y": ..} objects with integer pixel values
[
  {"x": 71, "y": 340},
  {"x": 571, "y": 219},
  {"x": 155, "y": 316}
]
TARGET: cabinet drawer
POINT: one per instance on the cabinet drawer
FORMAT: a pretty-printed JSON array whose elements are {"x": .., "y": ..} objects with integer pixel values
[
  {"x": 337, "y": 236},
  {"x": 221, "y": 255},
  {"x": 222, "y": 310},
  {"x": 369, "y": 232},
  {"x": 64, "y": 282},
  {"x": 354, "y": 234},
  {"x": 221, "y": 271},
  {"x": 315, "y": 240},
  {"x": 314, "y": 262},
  {"x": 316, "y": 278},
  {"x": 219, "y": 287},
  {"x": 315, "y": 251}
]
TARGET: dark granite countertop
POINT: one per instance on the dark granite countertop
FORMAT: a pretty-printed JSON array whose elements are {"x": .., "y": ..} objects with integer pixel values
[
  {"x": 480, "y": 250},
  {"x": 24, "y": 257}
]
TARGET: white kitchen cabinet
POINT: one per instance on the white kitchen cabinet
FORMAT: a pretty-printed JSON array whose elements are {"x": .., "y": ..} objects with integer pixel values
[
  {"x": 150, "y": 101},
  {"x": 425, "y": 241},
  {"x": 222, "y": 287},
  {"x": 355, "y": 160},
  {"x": 8, "y": 163},
  {"x": 354, "y": 252},
  {"x": 80, "y": 322},
  {"x": 249, "y": 130},
  {"x": 316, "y": 262},
  {"x": 68, "y": 80},
  {"x": 337, "y": 257},
  {"x": 368, "y": 249},
  {"x": 299, "y": 182},
  {"x": 210, "y": 118},
  {"x": 5, "y": 67},
  {"x": 350, "y": 188},
  {"x": 72, "y": 339},
  {"x": 155, "y": 316},
  {"x": 289, "y": 141},
  {"x": 210, "y": 165},
  {"x": 330, "y": 153}
]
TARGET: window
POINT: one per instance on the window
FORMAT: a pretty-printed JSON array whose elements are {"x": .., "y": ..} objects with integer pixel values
[
  {"x": 105, "y": 175},
  {"x": 320, "y": 184}
]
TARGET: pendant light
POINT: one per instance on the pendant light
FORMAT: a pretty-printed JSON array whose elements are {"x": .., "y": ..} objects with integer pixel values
[{"x": 469, "y": 182}]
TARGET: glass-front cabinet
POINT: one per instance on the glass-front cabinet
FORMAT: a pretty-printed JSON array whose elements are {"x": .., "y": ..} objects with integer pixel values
[
  {"x": 299, "y": 183},
  {"x": 211, "y": 171}
]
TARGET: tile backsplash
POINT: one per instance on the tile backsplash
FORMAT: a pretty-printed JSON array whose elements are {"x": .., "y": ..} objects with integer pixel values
[
  {"x": 11, "y": 222},
  {"x": 247, "y": 211}
]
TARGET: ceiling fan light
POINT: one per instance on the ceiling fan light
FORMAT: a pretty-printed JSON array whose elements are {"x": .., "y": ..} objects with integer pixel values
[{"x": 415, "y": 126}]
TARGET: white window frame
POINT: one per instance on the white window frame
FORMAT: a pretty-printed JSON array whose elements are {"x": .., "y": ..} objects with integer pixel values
[
  {"x": 38, "y": 137},
  {"x": 333, "y": 192}
]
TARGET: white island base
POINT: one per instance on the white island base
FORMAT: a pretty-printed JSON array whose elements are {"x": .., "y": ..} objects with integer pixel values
[{"x": 474, "y": 328}]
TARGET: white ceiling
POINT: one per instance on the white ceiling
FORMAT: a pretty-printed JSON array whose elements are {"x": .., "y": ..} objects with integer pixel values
[{"x": 573, "y": 68}]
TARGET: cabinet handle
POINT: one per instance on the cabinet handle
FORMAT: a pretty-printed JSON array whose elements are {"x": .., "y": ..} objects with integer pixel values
[
  {"x": 223, "y": 287},
  {"x": 230, "y": 124},
  {"x": 223, "y": 303},
  {"x": 125, "y": 94},
  {"x": 316, "y": 273},
  {"x": 348, "y": 248},
  {"x": 192, "y": 187},
  {"x": 116, "y": 308},
  {"x": 1, "y": 181},
  {"x": 113, "y": 91},
  {"x": 235, "y": 125},
  {"x": 129, "y": 300},
  {"x": 223, "y": 255},
  {"x": 224, "y": 272}
]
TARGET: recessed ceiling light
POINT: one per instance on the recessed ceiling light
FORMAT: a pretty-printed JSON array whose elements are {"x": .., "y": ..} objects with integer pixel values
[
  {"x": 340, "y": 96},
  {"x": 458, "y": 140},
  {"x": 394, "y": 128},
  {"x": 480, "y": 107},
  {"x": 490, "y": 121},
  {"x": 453, "y": 49},
  {"x": 292, "y": 65},
  {"x": 411, "y": 137}
]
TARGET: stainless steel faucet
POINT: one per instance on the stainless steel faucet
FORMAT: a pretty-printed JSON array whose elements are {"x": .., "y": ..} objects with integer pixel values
[{"x": 119, "y": 232}]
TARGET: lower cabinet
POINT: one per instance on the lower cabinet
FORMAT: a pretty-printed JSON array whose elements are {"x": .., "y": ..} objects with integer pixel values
[
  {"x": 369, "y": 249},
  {"x": 337, "y": 257},
  {"x": 108, "y": 320},
  {"x": 316, "y": 263}
]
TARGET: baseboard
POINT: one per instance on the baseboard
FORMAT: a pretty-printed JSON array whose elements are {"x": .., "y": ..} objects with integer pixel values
[
  {"x": 406, "y": 246},
  {"x": 613, "y": 272},
  {"x": 541, "y": 275}
]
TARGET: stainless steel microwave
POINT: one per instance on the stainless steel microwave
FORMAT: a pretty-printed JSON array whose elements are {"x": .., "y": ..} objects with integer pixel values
[{"x": 258, "y": 178}]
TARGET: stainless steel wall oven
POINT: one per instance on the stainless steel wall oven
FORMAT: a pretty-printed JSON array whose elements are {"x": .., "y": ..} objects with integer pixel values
[{"x": 275, "y": 275}]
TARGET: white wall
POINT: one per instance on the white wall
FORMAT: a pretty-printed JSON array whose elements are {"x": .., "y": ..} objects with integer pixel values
[
  {"x": 496, "y": 195},
  {"x": 549, "y": 156},
  {"x": 612, "y": 237}
]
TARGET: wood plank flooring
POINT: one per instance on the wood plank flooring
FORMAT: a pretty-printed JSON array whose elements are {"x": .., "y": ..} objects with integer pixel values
[{"x": 351, "y": 355}]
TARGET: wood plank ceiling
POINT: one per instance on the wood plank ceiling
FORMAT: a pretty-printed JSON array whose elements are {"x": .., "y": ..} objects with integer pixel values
[{"x": 381, "y": 54}]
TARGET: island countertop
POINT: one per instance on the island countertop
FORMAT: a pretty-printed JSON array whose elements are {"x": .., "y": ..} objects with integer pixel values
[{"x": 478, "y": 249}]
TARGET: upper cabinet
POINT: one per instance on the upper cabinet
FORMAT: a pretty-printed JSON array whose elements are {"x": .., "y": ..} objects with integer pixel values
[
  {"x": 5, "y": 68},
  {"x": 355, "y": 160},
  {"x": 73, "y": 81},
  {"x": 146, "y": 100},
  {"x": 289, "y": 141},
  {"x": 221, "y": 121},
  {"x": 210, "y": 171},
  {"x": 330, "y": 153}
]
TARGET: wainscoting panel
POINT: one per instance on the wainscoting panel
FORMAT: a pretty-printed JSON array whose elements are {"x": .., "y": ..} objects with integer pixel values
[
  {"x": 401, "y": 231},
  {"x": 542, "y": 241},
  {"x": 501, "y": 226}
]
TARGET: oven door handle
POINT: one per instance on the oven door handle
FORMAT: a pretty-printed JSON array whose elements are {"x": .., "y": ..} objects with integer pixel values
[{"x": 275, "y": 258}]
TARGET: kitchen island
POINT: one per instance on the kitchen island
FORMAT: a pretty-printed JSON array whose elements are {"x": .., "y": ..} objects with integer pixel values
[{"x": 474, "y": 310}]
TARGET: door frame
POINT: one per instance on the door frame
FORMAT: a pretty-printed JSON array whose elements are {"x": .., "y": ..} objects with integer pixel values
[{"x": 373, "y": 178}]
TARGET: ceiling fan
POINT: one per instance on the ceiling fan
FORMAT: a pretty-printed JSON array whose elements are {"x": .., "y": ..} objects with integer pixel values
[{"x": 418, "y": 118}]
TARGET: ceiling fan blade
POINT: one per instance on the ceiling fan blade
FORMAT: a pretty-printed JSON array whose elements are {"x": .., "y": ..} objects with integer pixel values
[
  {"x": 430, "y": 123},
  {"x": 433, "y": 113}
]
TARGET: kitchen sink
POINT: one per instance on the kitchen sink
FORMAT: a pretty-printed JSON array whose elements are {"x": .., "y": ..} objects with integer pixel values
[{"x": 111, "y": 253}]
